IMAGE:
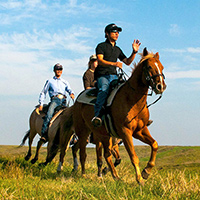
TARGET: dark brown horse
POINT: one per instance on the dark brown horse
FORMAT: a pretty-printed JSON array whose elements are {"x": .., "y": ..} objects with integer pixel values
[
  {"x": 35, "y": 123},
  {"x": 129, "y": 113}
]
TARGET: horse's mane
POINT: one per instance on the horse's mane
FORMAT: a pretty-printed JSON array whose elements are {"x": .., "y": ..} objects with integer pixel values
[{"x": 143, "y": 58}]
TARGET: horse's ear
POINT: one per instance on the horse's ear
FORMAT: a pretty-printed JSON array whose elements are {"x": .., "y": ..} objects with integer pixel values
[
  {"x": 145, "y": 52},
  {"x": 157, "y": 55}
]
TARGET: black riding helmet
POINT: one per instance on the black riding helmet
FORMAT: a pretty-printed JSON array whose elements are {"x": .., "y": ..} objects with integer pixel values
[
  {"x": 57, "y": 66},
  {"x": 112, "y": 28}
]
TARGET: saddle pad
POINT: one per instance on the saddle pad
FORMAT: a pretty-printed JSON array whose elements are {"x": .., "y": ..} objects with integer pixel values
[
  {"x": 90, "y": 100},
  {"x": 56, "y": 116},
  {"x": 84, "y": 98}
]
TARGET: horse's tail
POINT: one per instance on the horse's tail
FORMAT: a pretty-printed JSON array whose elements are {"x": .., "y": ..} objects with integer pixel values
[{"x": 25, "y": 138}]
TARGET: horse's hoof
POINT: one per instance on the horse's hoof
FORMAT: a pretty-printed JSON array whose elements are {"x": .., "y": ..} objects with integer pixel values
[
  {"x": 99, "y": 175},
  {"x": 105, "y": 171},
  {"x": 59, "y": 169},
  {"x": 27, "y": 157},
  {"x": 42, "y": 164},
  {"x": 33, "y": 161},
  {"x": 116, "y": 178},
  {"x": 74, "y": 169},
  {"x": 117, "y": 162},
  {"x": 145, "y": 175},
  {"x": 141, "y": 181},
  {"x": 84, "y": 175}
]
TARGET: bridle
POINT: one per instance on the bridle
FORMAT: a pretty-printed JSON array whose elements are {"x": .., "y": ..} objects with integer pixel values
[
  {"x": 150, "y": 83},
  {"x": 150, "y": 78}
]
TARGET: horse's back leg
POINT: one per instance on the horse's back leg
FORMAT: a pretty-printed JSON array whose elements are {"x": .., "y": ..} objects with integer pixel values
[
  {"x": 39, "y": 144},
  {"x": 99, "y": 149},
  {"x": 75, "y": 148},
  {"x": 146, "y": 137},
  {"x": 64, "y": 145},
  {"x": 82, "y": 152},
  {"x": 31, "y": 136}
]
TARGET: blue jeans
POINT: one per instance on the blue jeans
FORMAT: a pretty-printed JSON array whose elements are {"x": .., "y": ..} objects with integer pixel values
[
  {"x": 103, "y": 84},
  {"x": 55, "y": 102}
]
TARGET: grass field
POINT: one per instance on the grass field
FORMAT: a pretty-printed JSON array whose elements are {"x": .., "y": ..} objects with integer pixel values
[{"x": 175, "y": 176}]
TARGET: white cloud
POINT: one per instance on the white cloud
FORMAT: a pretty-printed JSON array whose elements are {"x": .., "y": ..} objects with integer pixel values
[
  {"x": 192, "y": 50},
  {"x": 174, "y": 30},
  {"x": 183, "y": 74},
  {"x": 29, "y": 58},
  {"x": 11, "y": 4},
  {"x": 42, "y": 40}
]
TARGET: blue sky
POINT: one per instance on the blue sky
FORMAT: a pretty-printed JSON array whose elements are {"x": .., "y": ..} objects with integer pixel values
[{"x": 36, "y": 34}]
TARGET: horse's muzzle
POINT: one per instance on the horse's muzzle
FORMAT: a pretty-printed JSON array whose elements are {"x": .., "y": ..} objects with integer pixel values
[{"x": 159, "y": 88}]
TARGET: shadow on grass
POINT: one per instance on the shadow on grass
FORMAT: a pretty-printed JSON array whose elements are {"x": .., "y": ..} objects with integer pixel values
[{"x": 37, "y": 170}]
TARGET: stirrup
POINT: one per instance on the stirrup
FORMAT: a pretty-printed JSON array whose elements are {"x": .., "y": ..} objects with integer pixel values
[
  {"x": 96, "y": 121},
  {"x": 149, "y": 122},
  {"x": 43, "y": 139}
]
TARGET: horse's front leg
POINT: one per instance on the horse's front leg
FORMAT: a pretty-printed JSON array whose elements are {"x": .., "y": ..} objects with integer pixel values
[
  {"x": 115, "y": 153},
  {"x": 128, "y": 143},
  {"x": 107, "y": 144},
  {"x": 146, "y": 137}
]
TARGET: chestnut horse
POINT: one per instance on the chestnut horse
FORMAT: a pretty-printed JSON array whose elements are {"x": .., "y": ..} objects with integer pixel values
[{"x": 129, "y": 113}]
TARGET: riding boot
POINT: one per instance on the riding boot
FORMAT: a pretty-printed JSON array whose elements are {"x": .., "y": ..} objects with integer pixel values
[
  {"x": 149, "y": 122},
  {"x": 44, "y": 136}
]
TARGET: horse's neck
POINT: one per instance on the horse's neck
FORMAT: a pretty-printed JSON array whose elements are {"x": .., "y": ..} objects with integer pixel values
[
  {"x": 137, "y": 89},
  {"x": 136, "y": 81}
]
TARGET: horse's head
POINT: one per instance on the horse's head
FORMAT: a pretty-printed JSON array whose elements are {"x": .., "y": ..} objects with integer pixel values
[{"x": 152, "y": 72}]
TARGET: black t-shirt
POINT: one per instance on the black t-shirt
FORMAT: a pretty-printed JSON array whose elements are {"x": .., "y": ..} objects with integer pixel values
[{"x": 110, "y": 53}]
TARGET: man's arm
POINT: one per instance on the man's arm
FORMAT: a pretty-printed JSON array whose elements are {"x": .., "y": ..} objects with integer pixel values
[
  {"x": 43, "y": 95},
  {"x": 136, "y": 45},
  {"x": 105, "y": 63}
]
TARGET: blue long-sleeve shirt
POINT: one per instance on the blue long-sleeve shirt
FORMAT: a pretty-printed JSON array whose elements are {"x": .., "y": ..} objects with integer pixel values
[{"x": 55, "y": 86}]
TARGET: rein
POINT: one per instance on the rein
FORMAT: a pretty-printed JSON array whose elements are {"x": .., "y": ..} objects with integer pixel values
[{"x": 155, "y": 101}]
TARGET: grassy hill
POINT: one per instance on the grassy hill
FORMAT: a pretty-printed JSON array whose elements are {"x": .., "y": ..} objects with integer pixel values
[{"x": 176, "y": 176}]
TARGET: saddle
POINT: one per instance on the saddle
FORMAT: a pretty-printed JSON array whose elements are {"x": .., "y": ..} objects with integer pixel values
[
  {"x": 89, "y": 97},
  {"x": 57, "y": 112}
]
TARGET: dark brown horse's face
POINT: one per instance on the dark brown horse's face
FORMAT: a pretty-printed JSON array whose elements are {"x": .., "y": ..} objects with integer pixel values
[{"x": 153, "y": 72}]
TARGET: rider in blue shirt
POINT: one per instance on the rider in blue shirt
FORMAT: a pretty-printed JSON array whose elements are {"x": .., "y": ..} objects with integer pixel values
[{"x": 57, "y": 88}]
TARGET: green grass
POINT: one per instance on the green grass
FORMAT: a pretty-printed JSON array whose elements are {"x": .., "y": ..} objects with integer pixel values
[{"x": 175, "y": 176}]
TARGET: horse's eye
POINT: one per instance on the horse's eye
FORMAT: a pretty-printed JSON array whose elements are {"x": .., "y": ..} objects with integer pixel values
[{"x": 149, "y": 67}]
